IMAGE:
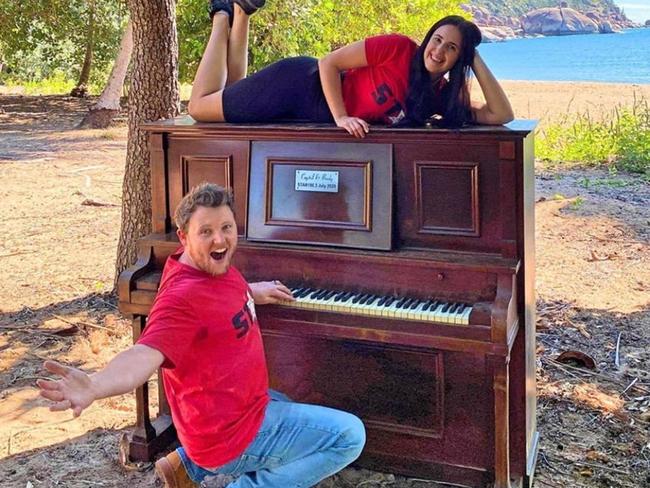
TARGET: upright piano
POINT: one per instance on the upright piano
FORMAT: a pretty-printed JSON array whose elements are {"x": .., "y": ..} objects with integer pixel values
[{"x": 411, "y": 253}]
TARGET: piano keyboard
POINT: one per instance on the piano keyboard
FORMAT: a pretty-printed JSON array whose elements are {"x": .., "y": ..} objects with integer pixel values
[{"x": 390, "y": 307}]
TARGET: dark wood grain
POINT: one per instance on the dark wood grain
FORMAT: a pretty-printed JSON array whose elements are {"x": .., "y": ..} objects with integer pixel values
[{"x": 455, "y": 220}]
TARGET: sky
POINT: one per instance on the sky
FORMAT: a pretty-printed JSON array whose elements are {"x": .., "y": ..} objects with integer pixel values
[{"x": 636, "y": 10}]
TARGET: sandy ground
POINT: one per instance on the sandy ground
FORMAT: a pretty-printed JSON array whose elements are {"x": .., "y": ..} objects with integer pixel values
[
  {"x": 59, "y": 209},
  {"x": 552, "y": 101}
]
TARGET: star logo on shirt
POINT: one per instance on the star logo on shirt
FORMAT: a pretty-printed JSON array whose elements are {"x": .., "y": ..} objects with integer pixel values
[{"x": 396, "y": 118}]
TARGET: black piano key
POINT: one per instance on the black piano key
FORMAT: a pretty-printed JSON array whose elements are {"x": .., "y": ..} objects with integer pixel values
[
  {"x": 339, "y": 296},
  {"x": 415, "y": 304},
  {"x": 347, "y": 296},
  {"x": 400, "y": 302},
  {"x": 329, "y": 294},
  {"x": 358, "y": 297},
  {"x": 407, "y": 303},
  {"x": 389, "y": 301},
  {"x": 305, "y": 292},
  {"x": 382, "y": 301},
  {"x": 315, "y": 293},
  {"x": 323, "y": 295},
  {"x": 297, "y": 291}
]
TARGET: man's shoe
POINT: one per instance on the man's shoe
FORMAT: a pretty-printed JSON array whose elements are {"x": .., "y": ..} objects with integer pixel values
[
  {"x": 171, "y": 472},
  {"x": 221, "y": 5},
  {"x": 250, "y": 6}
]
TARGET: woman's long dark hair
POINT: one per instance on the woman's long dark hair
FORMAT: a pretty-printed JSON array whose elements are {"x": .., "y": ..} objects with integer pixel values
[{"x": 452, "y": 103}]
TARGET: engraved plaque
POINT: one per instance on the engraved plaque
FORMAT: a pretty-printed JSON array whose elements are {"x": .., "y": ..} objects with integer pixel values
[{"x": 321, "y": 193}]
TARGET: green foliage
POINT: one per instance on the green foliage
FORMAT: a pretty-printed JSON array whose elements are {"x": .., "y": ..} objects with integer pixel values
[
  {"x": 577, "y": 202},
  {"x": 56, "y": 84},
  {"x": 520, "y": 7},
  {"x": 622, "y": 141},
  {"x": 308, "y": 27},
  {"x": 43, "y": 37}
]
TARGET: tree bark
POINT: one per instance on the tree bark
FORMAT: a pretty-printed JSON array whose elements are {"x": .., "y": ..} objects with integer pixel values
[
  {"x": 81, "y": 90},
  {"x": 153, "y": 95},
  {"x": 107, "y": 107}
]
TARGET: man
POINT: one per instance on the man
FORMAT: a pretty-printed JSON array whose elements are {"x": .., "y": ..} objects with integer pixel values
[{"x": 203, "y": 332}]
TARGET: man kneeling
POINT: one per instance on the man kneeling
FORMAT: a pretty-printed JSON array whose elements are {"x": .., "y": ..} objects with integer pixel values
[{"x": 203, "y": 332}]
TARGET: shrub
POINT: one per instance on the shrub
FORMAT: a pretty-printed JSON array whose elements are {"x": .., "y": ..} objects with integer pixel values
[{"x": 621, "y": 141}]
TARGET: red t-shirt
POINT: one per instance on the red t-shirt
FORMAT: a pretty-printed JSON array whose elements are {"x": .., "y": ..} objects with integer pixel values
[
  {"x": 377, "y": 92},
  {"x": 214, "y": 370}
]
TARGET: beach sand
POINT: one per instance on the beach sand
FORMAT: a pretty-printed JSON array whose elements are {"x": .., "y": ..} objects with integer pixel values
[
  {"x": 546, "y": 101},
  {"x": 550, "y": 101}
]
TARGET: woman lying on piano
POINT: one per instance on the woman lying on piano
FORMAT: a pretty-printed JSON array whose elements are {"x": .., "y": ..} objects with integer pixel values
[{"x": 386, "y": 79}]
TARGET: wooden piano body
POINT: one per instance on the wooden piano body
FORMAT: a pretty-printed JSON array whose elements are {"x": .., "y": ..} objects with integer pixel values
[{"x": 433, "y": 214}]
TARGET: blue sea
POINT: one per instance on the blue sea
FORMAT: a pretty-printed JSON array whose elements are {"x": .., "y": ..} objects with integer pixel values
[{"x": 622, "y": 57}]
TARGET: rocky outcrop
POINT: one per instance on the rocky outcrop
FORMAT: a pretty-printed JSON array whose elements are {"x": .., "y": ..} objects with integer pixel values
[
  {"x": 549, "y": 21},
  {"x": 496, "y": 34},
  {"x": 557, "y": 22}
]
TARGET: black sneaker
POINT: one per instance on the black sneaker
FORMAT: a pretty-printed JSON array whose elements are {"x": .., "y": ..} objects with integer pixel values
[
  {"x": 221, "y": 5},
  {"x": 250, "y": 6}
]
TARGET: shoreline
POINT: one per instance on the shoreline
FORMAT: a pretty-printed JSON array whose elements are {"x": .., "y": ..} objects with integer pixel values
[{"x": 551, "y": 101}]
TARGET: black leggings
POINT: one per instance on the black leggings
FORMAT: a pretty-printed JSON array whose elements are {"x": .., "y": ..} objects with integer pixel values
[{"x": 289, "y": 89}]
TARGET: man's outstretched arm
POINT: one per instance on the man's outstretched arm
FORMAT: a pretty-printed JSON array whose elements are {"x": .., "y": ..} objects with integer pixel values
[{"x": 77, "y": 390}]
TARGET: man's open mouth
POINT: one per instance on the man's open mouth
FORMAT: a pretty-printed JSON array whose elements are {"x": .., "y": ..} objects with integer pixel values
[{"x": 218, "y": 255}]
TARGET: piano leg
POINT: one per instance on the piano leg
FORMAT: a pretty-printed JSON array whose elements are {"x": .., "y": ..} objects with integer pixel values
[
  {"x": 501, "y": 422},
  {"x": 148, "y": 437}
]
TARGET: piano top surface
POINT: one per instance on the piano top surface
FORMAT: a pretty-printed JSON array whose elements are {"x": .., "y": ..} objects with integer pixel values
[{"x": 185, "y": 124}]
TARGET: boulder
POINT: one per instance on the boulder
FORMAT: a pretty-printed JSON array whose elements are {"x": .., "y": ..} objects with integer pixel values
[
  {"x": 605, "y": 27},
  {"x": 553, "y": 21},
  {"x": 496, "y": 34}
]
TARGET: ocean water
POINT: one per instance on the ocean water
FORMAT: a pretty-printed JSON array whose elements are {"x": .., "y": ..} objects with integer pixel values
[{"x": 611, "y": 58}]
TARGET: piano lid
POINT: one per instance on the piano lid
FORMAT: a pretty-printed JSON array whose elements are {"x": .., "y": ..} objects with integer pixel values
[{"x": 185, "y": 124}]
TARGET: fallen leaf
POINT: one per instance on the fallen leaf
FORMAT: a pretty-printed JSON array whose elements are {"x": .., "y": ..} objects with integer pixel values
[
  {"x": 577, "y": 357},
  {"x": 593, "y": 455}
]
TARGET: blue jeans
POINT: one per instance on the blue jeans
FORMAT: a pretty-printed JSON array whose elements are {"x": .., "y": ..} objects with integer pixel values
[{"x": 297, "y": 446}]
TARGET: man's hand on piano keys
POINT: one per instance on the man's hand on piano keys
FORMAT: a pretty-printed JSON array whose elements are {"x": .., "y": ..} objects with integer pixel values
[
  {"x": 268, "y": 292},
  {"x": 73, "y": 390}
]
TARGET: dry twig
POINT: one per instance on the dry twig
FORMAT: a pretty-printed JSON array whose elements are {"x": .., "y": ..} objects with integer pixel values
[{"x": 89, "y": 324}]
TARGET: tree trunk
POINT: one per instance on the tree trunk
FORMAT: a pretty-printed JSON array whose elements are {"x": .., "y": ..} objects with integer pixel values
[
  {"x": 107, "y": 107},
  {"x": 81, "y": 90},
  {"x": 153, "y": 95}
]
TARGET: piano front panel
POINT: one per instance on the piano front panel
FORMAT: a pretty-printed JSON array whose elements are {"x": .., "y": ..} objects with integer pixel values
[
  {"x": 449, "y": 197},
  {"x": 424, "y": 404},
  {"x": 193, "y": 161},
  {"x": 321, "y": 193},
  {"x": 370, "y": 273}
]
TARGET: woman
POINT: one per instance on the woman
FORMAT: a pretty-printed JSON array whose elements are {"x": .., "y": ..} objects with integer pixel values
[{"x": 383, "y": 79}]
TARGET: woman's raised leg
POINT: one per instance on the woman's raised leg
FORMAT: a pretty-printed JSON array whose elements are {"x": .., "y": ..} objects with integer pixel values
[
  {"x": 206, "y": 99},
  {"x": 238, "y": 46}
]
